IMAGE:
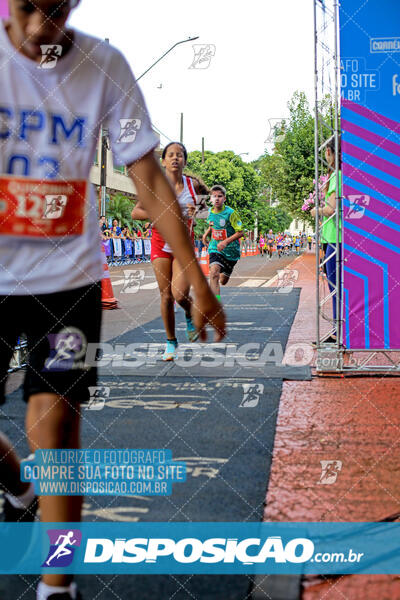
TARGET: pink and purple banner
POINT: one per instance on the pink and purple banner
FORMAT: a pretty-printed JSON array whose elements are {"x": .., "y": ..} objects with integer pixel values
[{"x": 370, "y": 84}]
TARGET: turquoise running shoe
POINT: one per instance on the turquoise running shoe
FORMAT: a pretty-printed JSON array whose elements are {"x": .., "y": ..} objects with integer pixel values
[
  {"x": 170, "y": 351},
  {"x": 191, "y": 332}
]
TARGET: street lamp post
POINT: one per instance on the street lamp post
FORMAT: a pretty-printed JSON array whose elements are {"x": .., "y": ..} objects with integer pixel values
[
  {"x": 104, "y": 133},
  {"x": 191, "y": 39}
]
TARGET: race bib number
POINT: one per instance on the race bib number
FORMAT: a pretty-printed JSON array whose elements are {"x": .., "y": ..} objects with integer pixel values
[
  {"x": 40, "y": 209},
  {"x": 219, "y": 234}
]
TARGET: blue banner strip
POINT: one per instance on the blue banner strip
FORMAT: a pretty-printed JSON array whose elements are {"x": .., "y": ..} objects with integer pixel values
[{"x": 200, "y": 548}]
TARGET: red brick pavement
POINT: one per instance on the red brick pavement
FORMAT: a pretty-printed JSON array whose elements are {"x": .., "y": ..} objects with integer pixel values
[{"x": 353, "y": 420}]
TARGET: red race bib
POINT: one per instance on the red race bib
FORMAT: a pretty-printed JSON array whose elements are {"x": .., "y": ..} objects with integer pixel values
[
  {"x": 219, "y": 234},
  {"x": 40, "y": 209}
]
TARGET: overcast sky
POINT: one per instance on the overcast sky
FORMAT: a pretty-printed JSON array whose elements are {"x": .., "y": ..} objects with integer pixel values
[{"x": 263, "y": 53}]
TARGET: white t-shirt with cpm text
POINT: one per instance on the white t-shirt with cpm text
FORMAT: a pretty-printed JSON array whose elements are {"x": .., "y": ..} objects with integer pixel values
[{"x": 50, "y": 120}]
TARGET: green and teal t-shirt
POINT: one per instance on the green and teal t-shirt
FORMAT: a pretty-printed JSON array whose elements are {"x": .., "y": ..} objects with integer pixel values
[
  {"x": 224, "y": 224},
  {"x": 328, "y": 233}
]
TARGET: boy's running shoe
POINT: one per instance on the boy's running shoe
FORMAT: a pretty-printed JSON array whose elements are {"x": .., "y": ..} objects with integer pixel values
[
  {"x": 191, "y": 332},
  {"x": 170, "y": 351}
]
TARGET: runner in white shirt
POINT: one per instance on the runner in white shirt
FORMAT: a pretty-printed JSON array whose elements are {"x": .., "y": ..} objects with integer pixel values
[{"x": 52, "y": 103}]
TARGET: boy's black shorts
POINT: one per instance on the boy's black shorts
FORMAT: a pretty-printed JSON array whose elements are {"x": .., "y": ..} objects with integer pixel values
[
  {"x": 226, "y": 265},
  {"x": 58, "y": 328}
]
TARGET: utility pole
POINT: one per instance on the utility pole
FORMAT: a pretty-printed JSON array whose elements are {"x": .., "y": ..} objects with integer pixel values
[
  {"x": 181, "y": 135},
  {"x": 103, "y": 164},
  {"x": 202, "y": 150},
  {"x": 256, "y": 227},
  {"x": 103, "y": 170}
]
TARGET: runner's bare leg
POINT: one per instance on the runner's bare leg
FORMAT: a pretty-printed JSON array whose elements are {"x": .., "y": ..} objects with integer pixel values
[
  {"x": 180, "y": 288},
  {"x": 163, "y": 272},
  {"x": 215, "y": 272},
  {"x": 53, "y": 422}
]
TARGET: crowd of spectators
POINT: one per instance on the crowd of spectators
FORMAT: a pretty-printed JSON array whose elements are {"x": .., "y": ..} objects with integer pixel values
[{"x": 120, "y": 242}]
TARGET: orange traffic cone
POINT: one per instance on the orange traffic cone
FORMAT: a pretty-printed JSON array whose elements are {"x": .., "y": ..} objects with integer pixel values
[
  {"x": 204, "y": 262},
  {"x": 108, "y": 302}
]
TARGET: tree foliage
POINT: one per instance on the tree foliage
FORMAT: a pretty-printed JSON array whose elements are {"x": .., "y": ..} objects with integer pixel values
[
  {"x": 120, "y": 207},
  {"x": 239, "y": 179},
  {"x": 290, "y": 169}
]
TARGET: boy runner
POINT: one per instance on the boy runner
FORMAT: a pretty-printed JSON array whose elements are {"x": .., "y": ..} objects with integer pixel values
[
  {"x": 51, "y": 265},
  {"x": 226, "y": 230}
]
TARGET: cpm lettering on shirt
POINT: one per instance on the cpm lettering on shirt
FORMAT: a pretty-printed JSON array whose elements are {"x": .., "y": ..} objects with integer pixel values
[{"x": 23, "y": 124}]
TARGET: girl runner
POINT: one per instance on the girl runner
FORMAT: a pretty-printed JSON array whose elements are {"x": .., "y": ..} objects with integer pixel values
[
  {"x": 262, "y": 244},
  {"x": 170, "y": 275},
  {"x": 279, "y": 244}
]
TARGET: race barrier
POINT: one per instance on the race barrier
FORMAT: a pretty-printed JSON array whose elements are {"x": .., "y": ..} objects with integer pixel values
[{"x": 127, "y": 252}]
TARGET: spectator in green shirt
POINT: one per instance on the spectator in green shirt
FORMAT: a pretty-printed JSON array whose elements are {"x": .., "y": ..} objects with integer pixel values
[{"x": 328, "y": 231}]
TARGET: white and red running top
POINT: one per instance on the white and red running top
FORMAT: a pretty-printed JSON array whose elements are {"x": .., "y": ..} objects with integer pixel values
[
  {"x": 188, "y": 202},
  {"x": 50, "y": 120}
]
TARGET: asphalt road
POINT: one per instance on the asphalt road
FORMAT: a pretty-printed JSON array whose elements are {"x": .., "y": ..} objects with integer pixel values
[{"x": 217, "y": 416}]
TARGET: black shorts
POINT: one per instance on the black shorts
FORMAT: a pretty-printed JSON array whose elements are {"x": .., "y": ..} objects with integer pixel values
[
  {"x": 226, "y": 265},
  {"x": 58, "y": 328}
]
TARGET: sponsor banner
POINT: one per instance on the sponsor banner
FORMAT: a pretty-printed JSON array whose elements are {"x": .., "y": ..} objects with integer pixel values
[
  {"x": 370, "y": 89},
  {"x": 200, "y": 548},
  {"x": 147, "y": 247}
]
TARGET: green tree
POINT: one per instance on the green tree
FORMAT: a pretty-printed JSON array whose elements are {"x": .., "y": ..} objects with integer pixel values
[
  {"x": 241, "y": 181},
  {"x": 120, "y": 207},
  {"x": 289, "y": 169}
]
